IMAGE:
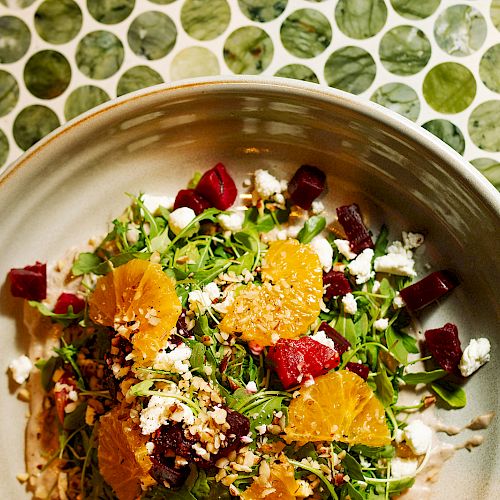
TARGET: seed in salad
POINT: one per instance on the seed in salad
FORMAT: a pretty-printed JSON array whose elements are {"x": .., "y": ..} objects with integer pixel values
[
  {"x": 139, "y": 300},
  {"x": 339, "y": 406},
  {"x": 351, "y": 221},
  {"x": 444, "y": 345},
  {"x": 218, "y": 187},
  {"x": 306, "y": 185},
  {"x": 429, "y": 289}
]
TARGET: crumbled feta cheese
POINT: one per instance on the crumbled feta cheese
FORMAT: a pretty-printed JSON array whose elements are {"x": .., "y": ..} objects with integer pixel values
[
  {"x": 180, "y": 218},
  {"x": 398, "y": 261},
  {"x": 232, "y": 221},
  {"x": 276, "y": 234},
  {"x": 201, "y": 300},
  {"x": 412, "y": 240},
  {"x": 403, "y": 467},
  {"x": 266, "y": 185},
  {"x": 381, "y": 324},
  {"x": 418, "y": 437},
  {"x": 350, "y": 304},
  {"x": 399, "y": 436},
  {"x": 324, "y": 251},
  {"x": 219, "y": 415},
  {"x": 152, "y": 202},
  {"x": 161, "y": 409},
  {"x": 224, "y": 306},
  {"x": 376, "y": 286},
  {"x": 345, "y": 249},
  {"x": 150, "y": 447},
  {"x": 476, "y": 354},
  {"x": 261, "y": 429},
  {"x": 132, "y": 234},
  {"x": 175, "y": 361},
  {"x": 321, "y": 337},
  {"x": 304, "y": 490},
  {"x": 279, "y": 198},
  {"x": 20, "y": 368},
  {"x": 398, "y": 301},
  {"x": 251, "y": 387},
  {"x": 361, "y": 266},
  {"x": 317, "y": 207}
]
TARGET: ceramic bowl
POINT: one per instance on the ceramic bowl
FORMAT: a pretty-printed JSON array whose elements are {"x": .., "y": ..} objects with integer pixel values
[{"x": 71, "y": 184}]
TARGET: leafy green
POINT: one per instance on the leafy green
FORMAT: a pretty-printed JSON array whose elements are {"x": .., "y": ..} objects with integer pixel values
[
  {"x": 312, "y": 227},
  {"x": 451, "y": 393},
  {"x": 76, "y": 418},
  {"x": 351, "y": 465},
  {"x": 47, "y": 368},
  {"x": 423, "y": 377},
  {"x": 68, "y": 353},
  {"x": 64, "y": 318},
  {"x": 381, "y": 242},
  {"x": 385, "y": 390},
  {"x": 85, "y": 263}
]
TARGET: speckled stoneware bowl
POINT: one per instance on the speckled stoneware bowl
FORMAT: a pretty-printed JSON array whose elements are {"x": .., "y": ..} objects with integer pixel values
[{"x": 66, "y": 189}]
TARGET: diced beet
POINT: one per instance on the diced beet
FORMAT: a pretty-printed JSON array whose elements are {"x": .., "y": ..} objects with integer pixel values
[
  {"x": 296, "y": 361},
  {"x": 182, "y": 329},
  {"x": 69, "y": 299},
  {"x": 218, "y": 187},
  {"x": 444, "y": 345},
  {"x": 350, "y": 218},
  {"x": 341, "y": 343},
  {"x": 427, "y": 290},
  {"x": 30, "y": 282},
  {"x": 306, "y": 185},
  {"x": 336, "y": 284},
  {"x": 166, "y": 470},
  {"x": 190, "y": 198},
  {"x": 359, "y": 369}
]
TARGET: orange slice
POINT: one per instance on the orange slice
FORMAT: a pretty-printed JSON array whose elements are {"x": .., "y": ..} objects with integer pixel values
[
  {"x": 339, "y": 406},
  {"x": 277, "y": 482},
  {"x": 123, "y": 459},
  {"x": 288, "y": 301},
  {"x": 138, "y": 299}
]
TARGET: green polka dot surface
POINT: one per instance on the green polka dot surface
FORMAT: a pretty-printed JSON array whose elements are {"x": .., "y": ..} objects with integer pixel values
[{"x": 435, "y": 62}]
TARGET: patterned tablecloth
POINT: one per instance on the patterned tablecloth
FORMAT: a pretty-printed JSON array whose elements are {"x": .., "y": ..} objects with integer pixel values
[{"x": 437, "y": 62}]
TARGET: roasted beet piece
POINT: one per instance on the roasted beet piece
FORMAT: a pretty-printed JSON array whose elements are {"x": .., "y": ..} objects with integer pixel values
[
  {"x": 69, "y": 299},
  {"x": 336, "y": 284},
  {"x": 358, "y": 369},
  {"x": 182, "y": 329},
  {"x": 350, "y": 218},
  {"x": 190, "y": 198},
  {"x": 427, "y": 290},
  {"x": 30, "y": 282},
  {"x": 217, "y": 187},
  {"x": 296, "y": 361},
  {"x": 444, "y": 345},
  {"x": 341, "y": 343},
  {"x": 166, "y": 471},
  {"x": 306, "y": 185}
]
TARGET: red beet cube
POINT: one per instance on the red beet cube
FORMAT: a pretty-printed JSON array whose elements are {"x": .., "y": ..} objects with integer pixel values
[
  {"x": 336, "y": 284},
  {"x": 296, "y": 361},
  {"x": 69, "y": 299},
  {"x": 191, "y": 199},
  {"x": 427, "y": 290},
  {"x": 444, "y": 345},
  {"x": 306, "y": 185},
  {"x": 30, "y": 282},
  {"x": 350, "y": 218},
  {"x": 217, "y": 187},
  {"x": 359, "y": 369},
  {"x": 341, "y": 343}
]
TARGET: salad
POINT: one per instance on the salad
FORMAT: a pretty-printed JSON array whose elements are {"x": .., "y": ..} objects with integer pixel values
[{"x": 207, "y": 350}]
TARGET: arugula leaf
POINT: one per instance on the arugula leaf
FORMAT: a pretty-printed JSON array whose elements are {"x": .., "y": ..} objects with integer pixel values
[
  {"x": 451, "y": 393},
  {"x": 76, "y": 418},
  {"x": 47, "y": 368},
  {"x": 401, "y": 484},
  {"x": 68, "y": 353},
  {"x": 396, "y": 345},
  {"x": 264, "y": 413},
  {"x": 381, "y": 242},
  {"x": 85, "y": 263},
  {"x": 259, "y": 223},
  {"x": 345, "y": 327},
  {"x": 197, "y": 358},
  {"x": 385, "y": 390},
  {"x": 423, "y": 377},
  {"x": 312, "y": 227},
  {"x": 160, "y": 242},
  {"x": 349, "y": 491},
  {"x": 374, "y": 451},
  {"x": 64, "y": 318},
  {"x": 351, "y": 465},
  {"x": 194, "y": 180}
]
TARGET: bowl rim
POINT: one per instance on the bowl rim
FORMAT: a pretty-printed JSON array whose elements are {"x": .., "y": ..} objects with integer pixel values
[{"x": 460, "y": 168}]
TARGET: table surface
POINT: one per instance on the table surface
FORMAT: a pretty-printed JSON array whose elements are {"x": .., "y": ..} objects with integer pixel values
[{"x": 435, "y": 62}]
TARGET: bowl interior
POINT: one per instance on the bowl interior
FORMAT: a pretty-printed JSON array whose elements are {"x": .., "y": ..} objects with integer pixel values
[{"x": 67, "y": 189}]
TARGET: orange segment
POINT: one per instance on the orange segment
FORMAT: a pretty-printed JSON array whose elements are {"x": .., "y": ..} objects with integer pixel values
[
  {"x": 123, "y": 459},
  {"x": 339, "y": 406},
  {"x": 288, "y": 301},
  {"x": 138, "y": 299},
  {"x": 278, "y": 482}
]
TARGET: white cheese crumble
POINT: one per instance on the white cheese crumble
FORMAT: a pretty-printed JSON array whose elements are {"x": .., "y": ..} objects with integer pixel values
[
  {"x": 21, "y": 368},
  {"x": 161, "y": 409},
  {"x": 175, "y": 361},
  {"x": 152, "y": 202},
  {"x": 403, "y": 467},
  {"x": 150, "y": 447},
  {"x": 324, "y": 251},
  {"x": 317, "y": 207},
  {"x": 133, "y": 234},
  {"x": 345, "y": 249},
  {"x": 398, "y": 301},
  {"x": 418, "y": 437},
  {"x": 350, "y": 304},
  {"x": 476, "y": 354},
  {"x": 361, "y": 266},
  {"x": 224, "y": 306},
  {"x": 398, "y": 261},
  {"x": 180, "y": 218},
  {"x": 266, "y": 185},
  {"x": 381, "y": 324},
  {"x": 251, "y": 387},
  {"x": 323, "y": 339},
  {"x": 232, "y": 221},
  {"x": 376, "y": 286},
  {"x": 201, "y": 300},
  {"x": 412, "y": 240}
]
